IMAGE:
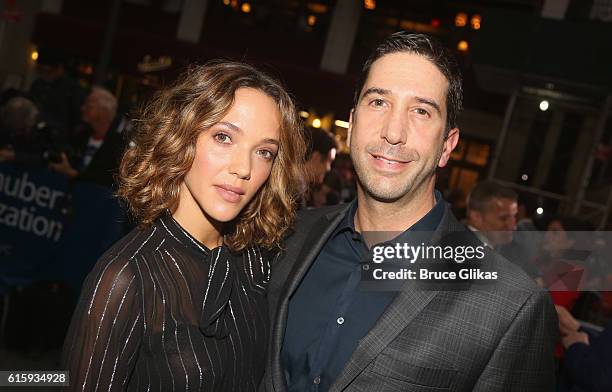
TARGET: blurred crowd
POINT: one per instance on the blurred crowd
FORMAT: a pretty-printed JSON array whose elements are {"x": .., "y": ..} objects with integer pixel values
[
  {"x": 58, "y": 124},
  {"x": 81, "y": 133}
]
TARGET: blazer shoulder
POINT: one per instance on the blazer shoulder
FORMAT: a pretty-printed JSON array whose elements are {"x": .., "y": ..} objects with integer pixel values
[{"x": 309, "y": 216}]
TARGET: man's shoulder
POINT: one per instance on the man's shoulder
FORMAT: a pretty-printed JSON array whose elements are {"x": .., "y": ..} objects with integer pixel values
[{"x": 309, "y": 216}]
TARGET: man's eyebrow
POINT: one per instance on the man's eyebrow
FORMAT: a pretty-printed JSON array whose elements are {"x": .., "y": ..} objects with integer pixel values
[
  {"x": 376, "y": 90},
  {"x": 429, "y": 102}
]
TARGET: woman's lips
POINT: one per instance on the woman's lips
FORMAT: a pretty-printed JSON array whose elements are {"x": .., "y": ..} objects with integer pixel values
[{"x": 229, "y": 193}]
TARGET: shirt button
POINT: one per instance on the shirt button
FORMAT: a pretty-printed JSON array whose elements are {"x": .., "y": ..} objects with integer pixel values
[
  {"x": 317, "y": 380},
  {"x": 340, "y": 320}
]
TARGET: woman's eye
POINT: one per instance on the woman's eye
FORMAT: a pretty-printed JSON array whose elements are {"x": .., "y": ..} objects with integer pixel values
[
  {"x": 266, "y": 154},
  {"x": 223, "y": 138}
]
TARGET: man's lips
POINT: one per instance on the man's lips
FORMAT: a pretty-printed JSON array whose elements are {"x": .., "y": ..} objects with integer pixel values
[{"x": 388, "y": 160}]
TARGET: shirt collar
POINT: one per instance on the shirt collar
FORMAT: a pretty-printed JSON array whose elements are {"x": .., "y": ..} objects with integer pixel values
[{"x": 428, "y": 223}]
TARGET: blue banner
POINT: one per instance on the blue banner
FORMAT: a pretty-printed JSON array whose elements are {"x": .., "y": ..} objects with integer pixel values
[
  {"x": 51, "y": 228},
  {"x": 31, "y": 222}
]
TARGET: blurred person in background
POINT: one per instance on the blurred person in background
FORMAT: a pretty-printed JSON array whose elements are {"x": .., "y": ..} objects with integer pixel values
[
  {"x": 213, "y": 176},
  {"x": 564, "y": 258},
  {"x": 95, "y": 154},
  {"x": 25, "y": 138},
  {"x": 343, "y": 166},
  {"x": 319, "y": 158},
  {"x": 587, "y": 365},
  {"x": 56, "y": 94},
  {"x": 491, "y": 214}
]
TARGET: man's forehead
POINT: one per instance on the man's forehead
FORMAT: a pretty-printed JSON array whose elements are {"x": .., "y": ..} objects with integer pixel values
[
  {"x": 408, "y": 67},
  {"x": 503, "y": 203}
]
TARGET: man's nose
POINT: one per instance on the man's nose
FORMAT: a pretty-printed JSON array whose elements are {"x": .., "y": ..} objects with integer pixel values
[{"x": 395, "y": 129}]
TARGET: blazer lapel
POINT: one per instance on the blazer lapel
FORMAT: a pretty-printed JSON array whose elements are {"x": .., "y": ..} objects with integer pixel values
[
  {"x": 408, "y": 303},
  {"x": 316, "y": 239}
]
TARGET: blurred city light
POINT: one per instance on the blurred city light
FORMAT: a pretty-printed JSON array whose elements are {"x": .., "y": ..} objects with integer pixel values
[
  {"x": 341, "y": 124},
  {"x": 461, "y": 19},
  {"x": 540, "y": 211},
  {"x": 463, "y": 46},
  {"x": 475, "y": 22},
  {"x": 312, "y": 20},
  {"x": 435, "y": 22},
  {"x": 524, "y": 177},
  {"x": 34, "y": 55},
  {"x": 369, "y": 4},
  {"x": 316, "y": 123},
  {"x": 226, "y": 2},
  {"x": 246, "y": 8},
  {"x": 544, "y": 105},
  {"x": 304, "y": 114}
]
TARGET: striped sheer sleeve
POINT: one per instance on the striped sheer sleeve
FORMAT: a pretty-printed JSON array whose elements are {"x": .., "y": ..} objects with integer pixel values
[{"x": 106, "y": 329}]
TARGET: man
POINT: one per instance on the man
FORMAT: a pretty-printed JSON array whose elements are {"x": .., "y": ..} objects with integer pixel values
[
  {"x": 96, "y": 152},
  {"x": 320, "y": 155},
  {"x": 492, "y": 216},
  {"x": 57, "y": 95},
  {"x": 492, "y": 211},
  {"x": 319, "y": 158},
  {"x": 329, "y": 335}
]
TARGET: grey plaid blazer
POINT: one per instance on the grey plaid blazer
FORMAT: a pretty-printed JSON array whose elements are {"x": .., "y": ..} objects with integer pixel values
[{"x": 499, "y": 339}]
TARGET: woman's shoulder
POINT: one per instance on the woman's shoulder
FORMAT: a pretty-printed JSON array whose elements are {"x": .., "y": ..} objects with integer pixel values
[
  {"x": 119, "y": 260},
  {"x": 140, "y": 240}
]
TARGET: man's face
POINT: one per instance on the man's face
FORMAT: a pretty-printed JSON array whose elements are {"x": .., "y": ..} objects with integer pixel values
[
  {"x": 396, "y": 131},
  {"x": 91, "y": 110},
  {"x": 320, "y": 164},
  {"x": 497, "y": 221}
]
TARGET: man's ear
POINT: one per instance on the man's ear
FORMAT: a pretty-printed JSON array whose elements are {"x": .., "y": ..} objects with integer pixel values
[
  {"x": 350, "y": 128},
  {"x": 474, "y": 218},
  {"x": 450, "y": 142}
]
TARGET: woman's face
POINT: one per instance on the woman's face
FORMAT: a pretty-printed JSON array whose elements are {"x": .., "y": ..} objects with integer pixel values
[
  {"x": 556, "y": 238},
  {"x": 234, "y": 157}
]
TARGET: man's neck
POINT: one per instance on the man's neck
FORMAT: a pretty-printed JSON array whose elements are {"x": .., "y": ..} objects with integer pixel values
[
  {"x": 400, "y": 215},
  {"x": 100, "y": 129}
]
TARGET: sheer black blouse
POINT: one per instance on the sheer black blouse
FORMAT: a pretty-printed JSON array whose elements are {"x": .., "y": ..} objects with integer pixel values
[{"x": 161, "y": 312}]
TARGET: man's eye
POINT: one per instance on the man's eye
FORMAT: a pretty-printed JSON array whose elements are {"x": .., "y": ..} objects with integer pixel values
[
  {"x": 422, "y": 112},
  {"x": 377, "y": 102},
  {"x": 223, "y": 138}
]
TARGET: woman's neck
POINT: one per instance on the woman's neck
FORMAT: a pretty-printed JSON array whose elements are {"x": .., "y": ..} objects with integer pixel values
[{"x": 196, "y": 222}]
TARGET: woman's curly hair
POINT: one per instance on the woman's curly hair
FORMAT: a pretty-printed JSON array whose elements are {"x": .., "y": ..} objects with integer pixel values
[{"x": 163, "y": 145}]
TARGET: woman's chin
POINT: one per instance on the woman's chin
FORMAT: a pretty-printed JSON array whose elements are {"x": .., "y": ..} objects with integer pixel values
[{"x": 222, "y": 215}]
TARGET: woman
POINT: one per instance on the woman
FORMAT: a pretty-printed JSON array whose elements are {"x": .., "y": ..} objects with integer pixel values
[{"x": 213, "y": 175}]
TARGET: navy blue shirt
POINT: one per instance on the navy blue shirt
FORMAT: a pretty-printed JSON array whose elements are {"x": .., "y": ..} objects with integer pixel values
[{"x": 328, "y": 314}]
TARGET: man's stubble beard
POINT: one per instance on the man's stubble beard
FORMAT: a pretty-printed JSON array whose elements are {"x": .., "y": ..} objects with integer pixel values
[{"x": 367, "y": 181}]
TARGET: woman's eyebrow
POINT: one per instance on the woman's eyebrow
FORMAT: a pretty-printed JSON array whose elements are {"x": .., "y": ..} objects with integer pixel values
[{"x": 231, "y": 126}]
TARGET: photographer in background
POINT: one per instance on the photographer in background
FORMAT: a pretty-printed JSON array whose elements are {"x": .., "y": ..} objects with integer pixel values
[
  {"x": 25, "y": 139},
  {"x": 97, "y": 151}
]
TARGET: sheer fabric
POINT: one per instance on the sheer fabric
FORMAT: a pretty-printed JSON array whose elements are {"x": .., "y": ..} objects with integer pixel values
[{"x": 161, "y": 312}]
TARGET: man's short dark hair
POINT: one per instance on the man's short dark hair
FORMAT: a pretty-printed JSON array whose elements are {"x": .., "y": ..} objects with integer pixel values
[
  {"x": 433, "y": 51},
  {"x": 320, "y": 141},
  {"x": 483, "y": 192}
]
